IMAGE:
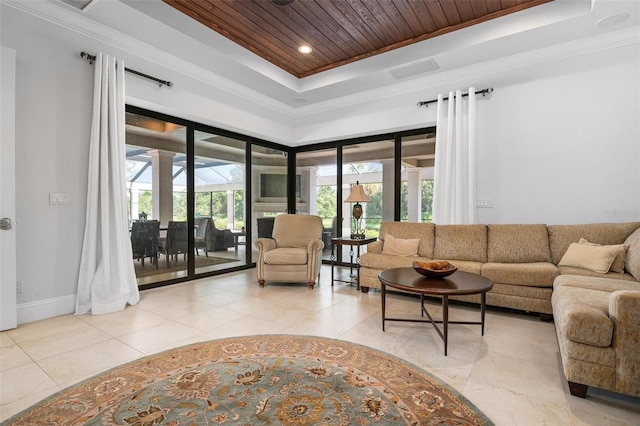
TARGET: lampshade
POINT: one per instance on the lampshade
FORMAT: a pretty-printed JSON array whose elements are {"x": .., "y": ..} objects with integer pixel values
[{"x": 357, "y": 195}]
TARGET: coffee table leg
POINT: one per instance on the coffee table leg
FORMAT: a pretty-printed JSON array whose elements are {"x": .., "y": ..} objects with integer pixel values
[
  {"x": 384, "y": 300},
  {"x": 483, "y": 303},
  {"x": 445, "y": 321}
]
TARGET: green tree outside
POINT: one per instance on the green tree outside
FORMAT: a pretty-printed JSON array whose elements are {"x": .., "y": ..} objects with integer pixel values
[{"x": 326, "y": 204}]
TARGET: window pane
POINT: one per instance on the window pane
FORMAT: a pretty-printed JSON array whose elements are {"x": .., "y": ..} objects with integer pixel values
[
  {"x": 269, "y": 189},
  {"x": 416, "y": 198},
  {"x": 156, "y": 183},
  {"x": 372, "y": 165},
  {"x": 219, "y": 178},
  {"x": 319, "y": 191}
]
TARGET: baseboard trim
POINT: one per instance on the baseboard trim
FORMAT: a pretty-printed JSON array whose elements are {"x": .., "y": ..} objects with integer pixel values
[{"x": 42, "y": 309}]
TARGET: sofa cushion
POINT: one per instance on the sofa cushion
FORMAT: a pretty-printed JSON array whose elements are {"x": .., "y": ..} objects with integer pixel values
[
  {"x": 466, "y": 265},
  {"x": 560, "y": 236},
  {"x": 601, "y": 284},
  {"x": 593, "y": 258},
  {"x": 518, "y": 244},
  {"x": 399, "y": 246},
  {"x": 582, "y": 315},
  {"x": 632, "y": 264},
  {"x": 536, "y": 274},
  {"x": 569, "y": 270},
  {"x": 286, "y": 256},
  {"x": 461, "y": 242},
  {"x": 408, "y": 230},
  {"x": 618, "y": 263}
]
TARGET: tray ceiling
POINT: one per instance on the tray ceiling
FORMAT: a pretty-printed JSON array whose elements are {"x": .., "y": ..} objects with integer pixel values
[{"x": 338, "y": 31}]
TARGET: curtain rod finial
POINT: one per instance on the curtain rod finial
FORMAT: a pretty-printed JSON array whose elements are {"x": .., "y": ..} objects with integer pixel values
[{"x": 90, "y": 58}]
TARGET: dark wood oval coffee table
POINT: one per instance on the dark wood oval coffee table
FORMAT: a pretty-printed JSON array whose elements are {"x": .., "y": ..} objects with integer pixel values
[{"x": 458, "y": 283}]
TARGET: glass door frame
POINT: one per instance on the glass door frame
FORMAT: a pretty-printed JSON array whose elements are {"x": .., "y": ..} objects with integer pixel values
[{"x": 191, "y": 127}]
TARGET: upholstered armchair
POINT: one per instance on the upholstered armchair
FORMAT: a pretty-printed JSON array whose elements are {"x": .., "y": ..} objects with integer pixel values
[{"x": 294, "y": 253}]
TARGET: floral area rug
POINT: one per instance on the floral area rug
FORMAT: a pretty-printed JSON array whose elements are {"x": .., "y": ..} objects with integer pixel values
[{"x": 259, "y": 380}]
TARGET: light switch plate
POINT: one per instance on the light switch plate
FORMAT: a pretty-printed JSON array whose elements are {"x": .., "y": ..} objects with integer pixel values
[{"x": 57, "y": 198}]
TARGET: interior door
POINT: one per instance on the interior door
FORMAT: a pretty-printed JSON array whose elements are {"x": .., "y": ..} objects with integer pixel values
[{"x": 8, "y": 300}]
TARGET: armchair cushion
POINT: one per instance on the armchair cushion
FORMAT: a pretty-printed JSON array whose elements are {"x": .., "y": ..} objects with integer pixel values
[{"x": 286, "y": 256}]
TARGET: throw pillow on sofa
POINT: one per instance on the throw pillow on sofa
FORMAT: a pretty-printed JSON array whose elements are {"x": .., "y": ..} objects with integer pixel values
[
  {"x": 400, "y": 247},
  {"x": 593, "y": 258},
  {"x": 618, "y": 263},
  {"x": 632, "y": 264}
]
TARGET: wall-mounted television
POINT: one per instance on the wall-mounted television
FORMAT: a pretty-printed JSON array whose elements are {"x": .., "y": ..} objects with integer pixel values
[{"x": 275, "y": 186}]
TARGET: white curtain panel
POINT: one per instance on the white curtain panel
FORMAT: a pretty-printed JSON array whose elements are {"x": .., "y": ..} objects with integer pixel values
[
  {"x": 107, "y": 280},
  {"x": 454, "y": 192}
]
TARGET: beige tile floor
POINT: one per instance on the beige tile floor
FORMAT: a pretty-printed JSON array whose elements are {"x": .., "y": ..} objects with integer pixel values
[{"x": 513, "y": 373}]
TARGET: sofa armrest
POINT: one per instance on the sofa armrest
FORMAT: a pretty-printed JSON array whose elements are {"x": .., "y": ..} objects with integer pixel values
[
  {"x": 375, "y": 247},
  {"x": 624, "y": 311}
]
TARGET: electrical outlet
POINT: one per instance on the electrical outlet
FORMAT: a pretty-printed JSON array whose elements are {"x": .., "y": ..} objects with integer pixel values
[{"x": 19, "y": 288}]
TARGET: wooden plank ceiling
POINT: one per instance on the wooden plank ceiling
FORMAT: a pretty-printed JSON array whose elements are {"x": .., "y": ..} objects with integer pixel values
[{"x": 338, "y": 31}]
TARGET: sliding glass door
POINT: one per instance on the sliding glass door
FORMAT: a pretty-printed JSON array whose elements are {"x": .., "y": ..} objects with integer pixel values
[
  {"x": 220, "y": 211},
  {"x": 371, "y": 165},
  {"x": 268, "y": 190},
  {"x": 416, "y": 190},
  {"x": 187, "y": 187},
  {"x": 157, "y": 197},
  {"x": 319, "y": 191}
]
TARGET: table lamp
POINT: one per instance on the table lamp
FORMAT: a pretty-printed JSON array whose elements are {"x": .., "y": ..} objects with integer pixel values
[{"x": 357, "y": 196}]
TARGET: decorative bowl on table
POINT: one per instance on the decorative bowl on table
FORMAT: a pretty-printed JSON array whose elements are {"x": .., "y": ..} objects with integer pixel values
[{"x": 434, "y": 269}]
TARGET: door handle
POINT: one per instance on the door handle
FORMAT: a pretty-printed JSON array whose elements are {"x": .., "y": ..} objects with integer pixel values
[{"x": 5, "y": 223}]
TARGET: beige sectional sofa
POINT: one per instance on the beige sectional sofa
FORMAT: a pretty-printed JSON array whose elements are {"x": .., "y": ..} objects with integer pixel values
[{"x": 596, "y": 314}]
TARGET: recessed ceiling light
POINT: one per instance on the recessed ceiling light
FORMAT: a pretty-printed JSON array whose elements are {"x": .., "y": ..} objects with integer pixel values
[
  {"x": 304, "y": 49},
  {"x": 612, "y": 21}
]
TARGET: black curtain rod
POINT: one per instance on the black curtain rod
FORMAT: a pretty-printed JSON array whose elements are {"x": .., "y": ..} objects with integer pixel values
[
  {"x": 92, "y": 58},
  {"x": 484, "y": 92}
]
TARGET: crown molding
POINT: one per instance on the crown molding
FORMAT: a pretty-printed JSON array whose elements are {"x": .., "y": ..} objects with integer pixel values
[
  {"x": 425, "y": 85},
  {"x": 75, "y": 21}
]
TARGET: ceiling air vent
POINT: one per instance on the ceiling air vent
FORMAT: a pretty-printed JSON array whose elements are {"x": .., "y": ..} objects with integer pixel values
[
  {"x": 82, "y": 5},
  {"x": 414, "y": 68}
]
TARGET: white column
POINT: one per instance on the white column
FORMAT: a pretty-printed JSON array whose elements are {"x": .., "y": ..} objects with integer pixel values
[
  {"x": 162, "y": 185},
  {"x": 135, "y": 197},
  {"x": 388, "y": 176},
  {"x": 414, "y": 195},
  {"x": 230, "y": 209}
]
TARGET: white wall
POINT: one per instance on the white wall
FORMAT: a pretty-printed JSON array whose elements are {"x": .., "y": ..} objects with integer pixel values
[
  {"x": 53, "y": 112},
  {"x": 563, "y": 149},
  {"x": 557, "y": 148}
]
